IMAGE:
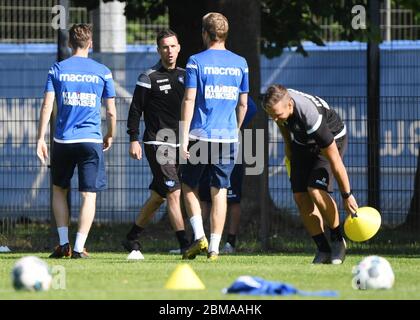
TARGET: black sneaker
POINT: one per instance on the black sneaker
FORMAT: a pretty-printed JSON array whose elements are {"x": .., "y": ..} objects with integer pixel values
[
  {"x": 131, "y": 245},
  {"x": 80, "y": 255},
  {"x": 61, "y": 251}
]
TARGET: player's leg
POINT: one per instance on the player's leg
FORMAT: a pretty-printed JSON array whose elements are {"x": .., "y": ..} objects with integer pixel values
[
  {"x": 217, "y": 219},
  {"x": 301, "y": 167},
  {"x": 92, "y": 179},
  {"x": 176, "y": 218},
  {"x": 319, "y": 187},
  {"x": 62, "y": 168},
  {"x": 234, "y": 207},
  {"x": 223, "y": 162},
  {"x": 193, "y": 208},
  {"x": 156, "y": 199},
  {"x": 191, "y": 174},
  {"x": 167, "y": 180},
  {"x": 313, "y": 223},
  {"x": 329, "y": 212},
  {"x": 87, "y": 214},
  {"x": 234, "y": 214}
]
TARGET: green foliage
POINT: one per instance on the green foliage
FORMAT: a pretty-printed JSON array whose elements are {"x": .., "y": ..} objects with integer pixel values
[{"x": 287, "y": 23}]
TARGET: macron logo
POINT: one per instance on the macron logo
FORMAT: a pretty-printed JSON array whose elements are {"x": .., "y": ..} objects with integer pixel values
[
  {"x": 222, "y": 71},
  {"x": 71, "y": 77}
]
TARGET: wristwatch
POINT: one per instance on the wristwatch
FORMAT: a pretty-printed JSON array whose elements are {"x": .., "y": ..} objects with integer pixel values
[{"x": 346, "y": 195}]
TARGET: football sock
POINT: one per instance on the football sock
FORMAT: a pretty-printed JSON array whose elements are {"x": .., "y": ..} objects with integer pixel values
[
  {"x": 134, "y": 232},
  {"x": 63, "y": 235},
  {"x": 79, "y": 245},
  {"x": 321, "y": 242},
  {"x": 214, "y": 242},
  {"x": 197, "y": 225},
  {"x": 181, "y": 235},
  {"x": 335, "y": 234},
  {"x": 231, "y": 238}
]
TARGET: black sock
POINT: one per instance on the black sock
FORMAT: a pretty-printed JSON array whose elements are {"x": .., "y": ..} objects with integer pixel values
[
  {"x": 335, "y": 234},
  {"x": 321, "y": 242},
  {"x": 181, "y": 235},
  {"x": 231, "y": 238},
  {"x": 134, "y": 232}
]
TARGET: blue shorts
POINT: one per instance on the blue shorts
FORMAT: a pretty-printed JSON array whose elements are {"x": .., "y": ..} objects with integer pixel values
[
  {"x": 218, "y": 158},
  {"x": 89, "y": 159},
  {"x": 234, "y": 192}
]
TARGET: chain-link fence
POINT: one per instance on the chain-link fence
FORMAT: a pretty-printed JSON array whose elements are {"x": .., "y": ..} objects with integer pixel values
[
  {"x": 25, "y": 183},
  {"x": 400, "y": 137}
]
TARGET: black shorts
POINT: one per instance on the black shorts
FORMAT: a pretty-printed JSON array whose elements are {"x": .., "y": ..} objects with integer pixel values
[
  {"x": 165, "y": 175},
  {"x": 90, "y": 162},
  {"x": 309, "y": 169},
  {"x": 234, "y": 192}
]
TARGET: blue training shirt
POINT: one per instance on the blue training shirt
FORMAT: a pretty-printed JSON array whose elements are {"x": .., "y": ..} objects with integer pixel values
[
  {"x": 79, "y": 84},
  {"x": 219, "y": 77}
]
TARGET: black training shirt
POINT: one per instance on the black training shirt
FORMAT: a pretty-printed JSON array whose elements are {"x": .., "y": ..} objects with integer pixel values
[{"x": 158, "y": 94}]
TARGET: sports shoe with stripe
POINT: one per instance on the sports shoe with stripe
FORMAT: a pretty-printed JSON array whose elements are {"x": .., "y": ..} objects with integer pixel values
[
  {"x": 80, "y": 255},
  {"x": 338, "y": 251},
  {"x": 212, "y": 256},
  {"x": 61, "y": 251},
  {"x": 197, "y": 247},
  {"x": 322, "y": 258}
]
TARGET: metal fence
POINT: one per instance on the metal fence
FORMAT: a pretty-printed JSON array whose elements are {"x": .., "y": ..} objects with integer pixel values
[
  {"x": 402, "y": 24},
  {"x": 29, "y": 21},
  {"x": 400, "y": 137},
  {"x": 25, "y": 183}
]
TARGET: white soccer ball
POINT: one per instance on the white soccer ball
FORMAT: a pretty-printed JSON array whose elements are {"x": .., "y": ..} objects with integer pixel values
[
  {"x": 32, "y": 274},
  {"x": 373, "y": 272}
]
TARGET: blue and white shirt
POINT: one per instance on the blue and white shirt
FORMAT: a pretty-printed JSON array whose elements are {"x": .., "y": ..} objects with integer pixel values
[
  {"x": 79, "y": 84},
  {"x": 219, "y": 76}
]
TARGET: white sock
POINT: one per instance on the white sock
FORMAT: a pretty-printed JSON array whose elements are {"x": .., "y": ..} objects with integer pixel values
[
  {"x": 197, "y": 225},
  {"x": 214, "y": 242},
  {"x": 79, "y": 245},
  {"x": 63, "y": 235}
]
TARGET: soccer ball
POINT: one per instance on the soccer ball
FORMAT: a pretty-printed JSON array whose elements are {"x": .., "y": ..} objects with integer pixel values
[
  {"x": 31, "y": 274},
  {"x": 373, "y": 272}
]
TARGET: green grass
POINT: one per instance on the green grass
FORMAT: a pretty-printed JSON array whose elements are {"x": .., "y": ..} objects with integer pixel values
[{"x": 110, "y": 276}]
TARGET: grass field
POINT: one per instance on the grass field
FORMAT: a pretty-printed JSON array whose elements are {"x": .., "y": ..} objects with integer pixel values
[{"x": 111, "y": 276}]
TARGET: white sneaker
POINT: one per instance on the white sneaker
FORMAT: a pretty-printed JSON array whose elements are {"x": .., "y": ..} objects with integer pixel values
[
  {"x": 228, "y": 249},
  {"x": 175, "y": 251},
  {"x": 5, "y": 249},
  {"x": 135, "y": 255}
]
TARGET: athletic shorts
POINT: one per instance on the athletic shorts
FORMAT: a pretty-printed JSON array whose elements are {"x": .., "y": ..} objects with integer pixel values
[
  {"x": 218, "y": 158},
  {"x": 234, "y": 192},
  {"x": 165, "y": 173},
  {"x": 309, "y": 169},
  {"x": 89, "y": 158}
]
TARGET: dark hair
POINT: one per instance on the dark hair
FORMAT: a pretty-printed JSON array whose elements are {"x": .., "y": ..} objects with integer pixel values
[
  {"x": 80, "y": 35},
  {"x": 216, "y": 25},
  {"x": 274, "y": 94},
  {"x": 166, "y": 33}
]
